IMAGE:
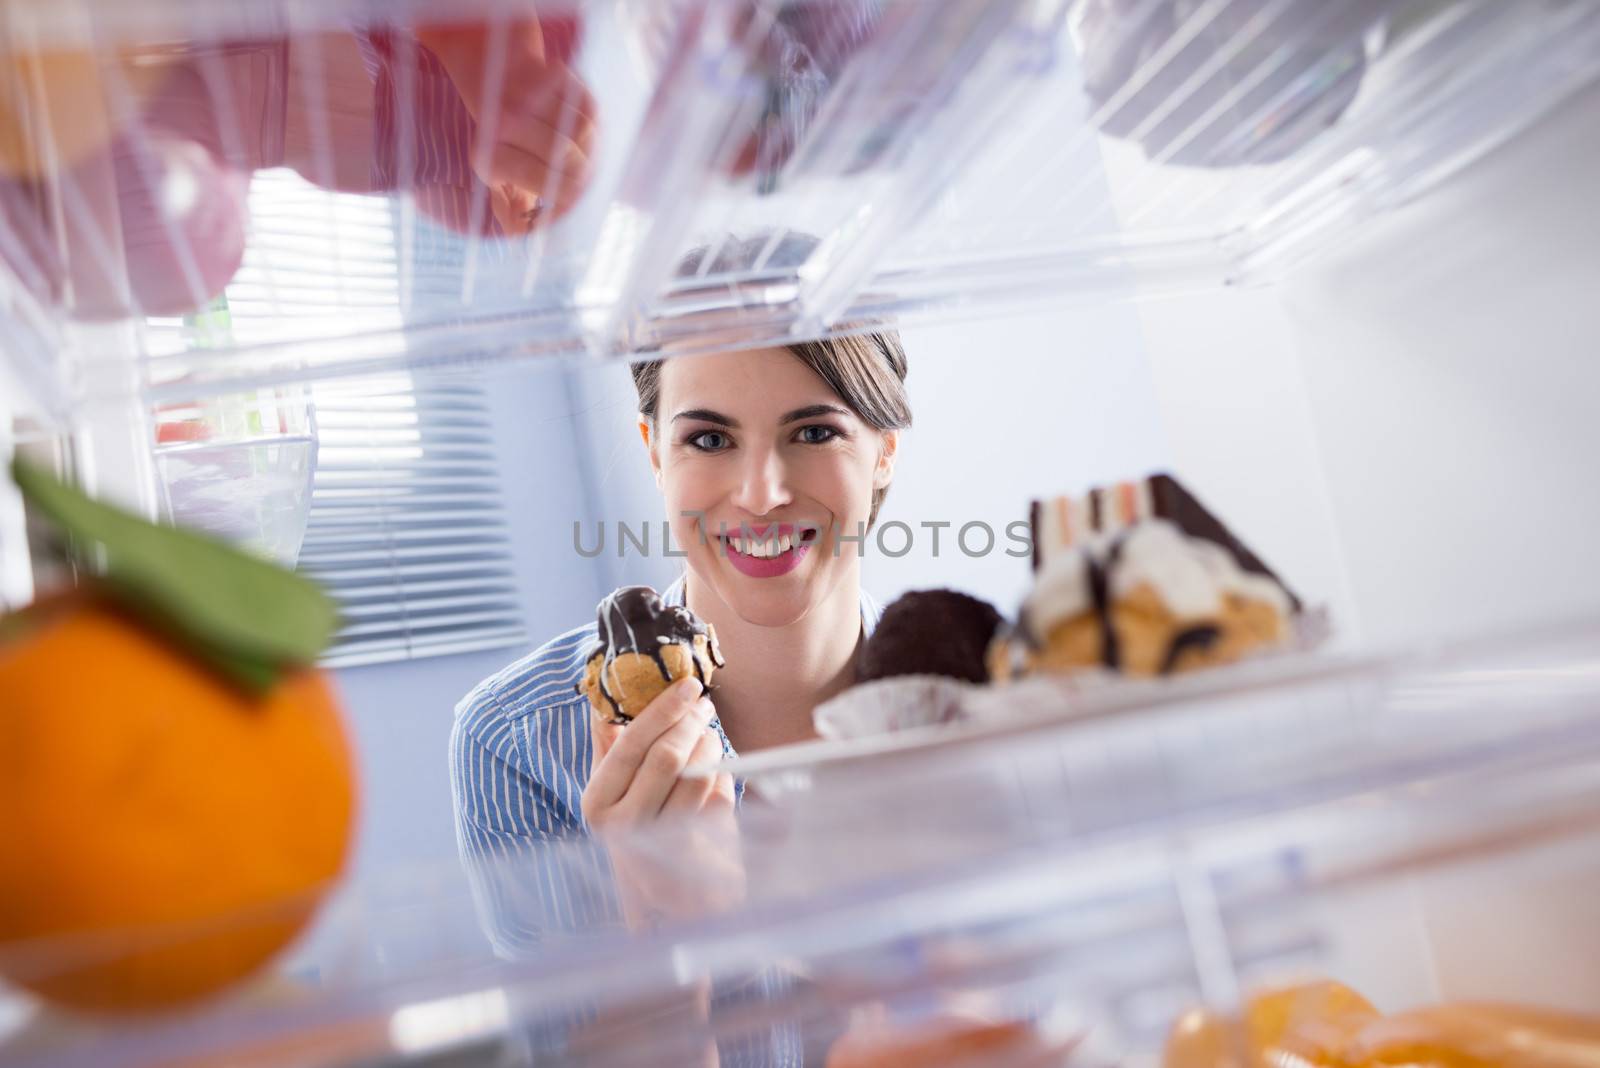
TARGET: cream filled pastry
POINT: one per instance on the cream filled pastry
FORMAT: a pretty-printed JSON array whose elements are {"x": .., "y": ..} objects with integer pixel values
[
  {"x": 645, "y": 646},
  {"x": 1141, "y": 579}
]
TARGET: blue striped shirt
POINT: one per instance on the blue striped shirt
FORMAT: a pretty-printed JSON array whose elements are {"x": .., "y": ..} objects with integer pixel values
[
  {"x": 520, "y": 750},
  {"x": 519, "y": 759}
]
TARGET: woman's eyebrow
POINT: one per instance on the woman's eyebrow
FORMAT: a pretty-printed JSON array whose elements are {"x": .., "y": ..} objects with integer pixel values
[
  {"x": 812, "y": 411},
  {"x": 706, "y": 415}
]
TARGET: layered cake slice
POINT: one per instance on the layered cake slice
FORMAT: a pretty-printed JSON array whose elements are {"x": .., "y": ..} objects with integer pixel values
[{"x": 1141, "y": 578}]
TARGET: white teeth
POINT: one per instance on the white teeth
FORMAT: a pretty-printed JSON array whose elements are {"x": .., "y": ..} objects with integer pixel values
[{"x": 764, "y": 548}]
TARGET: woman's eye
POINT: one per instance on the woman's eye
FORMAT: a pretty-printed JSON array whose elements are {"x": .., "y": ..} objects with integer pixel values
[
  {"x": 709, "y": 440},
  {"x": 817, "y": 435}
]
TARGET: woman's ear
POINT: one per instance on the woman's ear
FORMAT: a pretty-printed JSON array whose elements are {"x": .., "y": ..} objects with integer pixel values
[
  {"x": 646, "y": 433},
  {"x": 890, "y": 448}
]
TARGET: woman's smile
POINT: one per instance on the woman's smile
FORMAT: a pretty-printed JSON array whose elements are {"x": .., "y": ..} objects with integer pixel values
[{"x": 770, "y": 551}]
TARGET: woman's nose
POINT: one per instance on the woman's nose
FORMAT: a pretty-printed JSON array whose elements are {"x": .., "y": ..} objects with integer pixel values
[{"x": 763, "y": 483}]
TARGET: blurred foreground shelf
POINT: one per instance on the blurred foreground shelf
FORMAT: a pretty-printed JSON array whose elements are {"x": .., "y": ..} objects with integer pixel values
[{"x": 1422, "y": 827}]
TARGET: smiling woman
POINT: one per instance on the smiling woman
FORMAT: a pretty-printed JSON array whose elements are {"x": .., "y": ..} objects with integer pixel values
[{"x": 772, "y": 465}]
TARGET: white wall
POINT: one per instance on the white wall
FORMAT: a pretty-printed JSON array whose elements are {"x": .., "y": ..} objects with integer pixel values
[
  {"x": 1234, "y": 408},
  {"x": 1004, "y": 411},
  {"x": 1405, "y": 429},
  {"x": 1452, "y": 375},
  {"x": 399, "y": 717}
]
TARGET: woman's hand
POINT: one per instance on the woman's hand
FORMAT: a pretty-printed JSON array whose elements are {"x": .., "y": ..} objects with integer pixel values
[
  {"x": 535, "y": 135},
  {"x": 688, "y": 863},
  {"x": 636, "y": 772}
]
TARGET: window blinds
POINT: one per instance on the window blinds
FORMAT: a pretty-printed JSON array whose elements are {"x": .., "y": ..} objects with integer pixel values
[{"x": 407, "y": 527}]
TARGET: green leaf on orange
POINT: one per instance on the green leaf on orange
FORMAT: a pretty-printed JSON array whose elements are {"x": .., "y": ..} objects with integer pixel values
[{"x": 244, "y": 615}]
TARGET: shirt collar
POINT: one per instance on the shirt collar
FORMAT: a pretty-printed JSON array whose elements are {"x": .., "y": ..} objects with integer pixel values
[{"x": 870, "y": 609}]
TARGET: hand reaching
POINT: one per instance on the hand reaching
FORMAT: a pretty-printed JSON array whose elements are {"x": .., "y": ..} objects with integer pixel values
[{"x": 535, "y": 137}]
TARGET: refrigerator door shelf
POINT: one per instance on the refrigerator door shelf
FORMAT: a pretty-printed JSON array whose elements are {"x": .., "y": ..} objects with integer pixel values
[{"x": 445, "y": 184}]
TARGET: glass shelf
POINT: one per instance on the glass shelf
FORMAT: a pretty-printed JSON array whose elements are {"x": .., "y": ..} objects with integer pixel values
[
  {"x": 834, "y": 160},
  {"x": 1422, "y": 826}
]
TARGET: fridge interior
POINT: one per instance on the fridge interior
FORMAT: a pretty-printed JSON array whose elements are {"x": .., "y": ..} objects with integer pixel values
[{"x": 1329, "y": 263}]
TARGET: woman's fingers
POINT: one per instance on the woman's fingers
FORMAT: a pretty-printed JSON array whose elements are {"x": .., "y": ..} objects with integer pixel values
[
  {"x": 722, "y": 790},
  {"x": 662, "y": 765},
  {"x": 603, "y": 734},
  {"x": 545, "y": 108},
  {"x": 627, "y": 746},
  {"x": 541, "y": 136},
  {"x": 688, "y": 795},
  {"x": 558, "y": 182}
]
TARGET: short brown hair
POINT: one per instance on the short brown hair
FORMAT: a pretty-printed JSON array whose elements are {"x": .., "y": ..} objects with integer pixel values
[{"x": 865, "y": 365}]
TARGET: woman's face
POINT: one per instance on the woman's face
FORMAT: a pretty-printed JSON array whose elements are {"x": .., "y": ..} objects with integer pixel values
[{"x": 763, "y": 468}]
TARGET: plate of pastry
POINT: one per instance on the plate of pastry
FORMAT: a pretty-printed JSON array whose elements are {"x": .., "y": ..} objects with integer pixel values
[{"x": 1140, "y": 597}]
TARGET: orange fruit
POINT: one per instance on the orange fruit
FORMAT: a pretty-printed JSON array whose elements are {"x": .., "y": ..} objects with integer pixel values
[
  {"x": 162, "y": 833},
  {"x": 1480, "y": 1036},
  {"x": 1204, "y": 1039},
  {"x": 1307, "y": 1024}
]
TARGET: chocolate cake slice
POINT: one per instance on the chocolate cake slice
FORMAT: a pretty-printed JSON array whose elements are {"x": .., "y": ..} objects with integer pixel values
[{"x": 1058, "y": 523}]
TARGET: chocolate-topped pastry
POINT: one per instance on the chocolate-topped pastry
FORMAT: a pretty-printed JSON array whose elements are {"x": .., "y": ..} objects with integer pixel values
[
  {"x": 930, "y": 632},
  {"x": 1140, "y": 578},
  {"x": 645, "y": 646}
]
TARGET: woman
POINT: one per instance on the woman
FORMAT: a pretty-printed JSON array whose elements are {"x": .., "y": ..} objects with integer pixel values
[{"x": 773, "y": 440}]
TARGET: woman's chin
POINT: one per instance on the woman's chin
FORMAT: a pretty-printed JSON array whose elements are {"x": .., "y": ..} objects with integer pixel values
[
  {"x": 774, "y": 618},
  {"x": 766, "y": 602},
  {"x": 766, "y": 609}
]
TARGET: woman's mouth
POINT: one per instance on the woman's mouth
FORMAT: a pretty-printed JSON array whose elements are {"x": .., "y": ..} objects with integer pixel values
[{"x": 768, "y": 552}]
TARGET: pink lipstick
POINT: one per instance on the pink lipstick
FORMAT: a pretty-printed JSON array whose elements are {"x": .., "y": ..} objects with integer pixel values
[{"x": 768, "y": 566}]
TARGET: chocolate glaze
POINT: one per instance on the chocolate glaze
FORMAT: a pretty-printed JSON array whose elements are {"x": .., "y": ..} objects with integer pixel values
[
  {"x": 1169, "y": 500},
  {"x": 634, "y": 619},
  {"x": 1172, "y": 502},
  {"x": 1033, "y": 527},
  {"x": 1202, "y": 636},
  {"x": 1099, "y": 576},
  {"x": 1100, "y": 591}
]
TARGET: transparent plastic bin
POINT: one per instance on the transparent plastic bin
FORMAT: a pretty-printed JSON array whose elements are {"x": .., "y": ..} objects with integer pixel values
[
  {"x": 241, "y": 468},
  {"x": 941, "y": 159},
  {"x": 1421, "y": 827}
]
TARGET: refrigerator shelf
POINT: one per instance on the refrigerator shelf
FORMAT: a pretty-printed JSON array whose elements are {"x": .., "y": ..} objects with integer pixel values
[
  {"x": 1420, "y": 827},
  {"x": 364, "y": 201}
]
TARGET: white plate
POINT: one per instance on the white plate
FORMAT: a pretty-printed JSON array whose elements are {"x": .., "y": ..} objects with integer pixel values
[{"x": 916, "y": 713}]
